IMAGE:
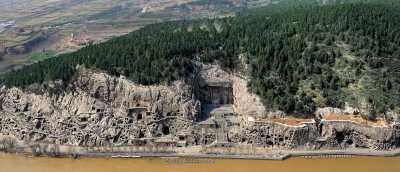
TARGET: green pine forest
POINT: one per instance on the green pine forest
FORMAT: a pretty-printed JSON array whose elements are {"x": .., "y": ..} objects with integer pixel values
[{"x": 297, "y": 59}]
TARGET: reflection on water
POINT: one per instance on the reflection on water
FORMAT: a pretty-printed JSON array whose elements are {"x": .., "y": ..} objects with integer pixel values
[{"x": 15, "y": 163}]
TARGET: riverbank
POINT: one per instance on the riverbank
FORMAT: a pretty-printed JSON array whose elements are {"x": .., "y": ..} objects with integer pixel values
[
  {"x": 195, "y": 152},
  {"x": 247, "y": 151},
  {"x": 278, "y": 155}
]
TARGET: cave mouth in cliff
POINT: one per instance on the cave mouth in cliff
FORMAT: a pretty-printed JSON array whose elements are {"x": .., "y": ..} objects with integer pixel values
[
  {"x": 339, "y": 137},
  {"x": 270, "y": 143},
  {"x": 216, "y": 93},
  {"x": 84, "y": 119},
  {"x": 139, "y": 116},
  {"x": 38, "y": 125},
  {"x": 165, "y": 130},
  {"x": 141, "y": 135},
  {"x": 349, "y": 142},
  {"x": 320, "y": 128}
]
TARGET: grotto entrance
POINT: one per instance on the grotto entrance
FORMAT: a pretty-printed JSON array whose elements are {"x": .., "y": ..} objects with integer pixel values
[
  {"x": 216, "y": 98},
  {"x": 214, "y": 86},
  {"x": 339, "y": 137},
  {"x": 343, "y": 138},
  {"x": 217, "y": 93},
  {"x": 165, "y": 130},
  {"x": 349, "y": 142}
]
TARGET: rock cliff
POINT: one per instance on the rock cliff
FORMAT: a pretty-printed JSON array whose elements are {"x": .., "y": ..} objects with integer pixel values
[
  {"x": 98, "y": 110},
  {"x": 214, "y": 109}
]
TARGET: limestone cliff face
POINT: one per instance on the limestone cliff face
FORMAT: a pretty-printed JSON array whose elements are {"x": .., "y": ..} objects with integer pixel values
[
  {"x": 98, "y": 110},
  {"x": 95, "y": 109},
  {"x": 348, "y": 134},
  {"x": 245, "y": 102},
  {"x": 326, "y": 135}
]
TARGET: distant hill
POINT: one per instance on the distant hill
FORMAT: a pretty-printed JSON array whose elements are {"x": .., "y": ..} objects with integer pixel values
[{"x": 60, "y": 26}]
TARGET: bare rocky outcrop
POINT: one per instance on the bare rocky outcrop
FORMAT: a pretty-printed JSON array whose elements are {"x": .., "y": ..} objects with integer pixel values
[
  {"x": 214, "y": 109},
  {"x": 99, "y": 110},
  {"x": 246, "y": 103},
  {"x": 345, "y": 134}
]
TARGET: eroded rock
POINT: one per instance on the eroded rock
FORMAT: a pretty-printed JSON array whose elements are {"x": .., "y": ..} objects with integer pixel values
[{"x": 215, "y": 109}]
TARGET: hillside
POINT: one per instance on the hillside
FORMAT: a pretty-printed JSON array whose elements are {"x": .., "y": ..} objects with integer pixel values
[
  {"x": 297, "y": 60},
  {"x": 277, "y": 6},
  {"x": 36, "y": 27},
  {"x": 32, "y": 30}
]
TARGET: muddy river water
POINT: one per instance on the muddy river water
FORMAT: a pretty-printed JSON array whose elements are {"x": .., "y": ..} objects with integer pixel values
[{"x": 18, "y": 163}]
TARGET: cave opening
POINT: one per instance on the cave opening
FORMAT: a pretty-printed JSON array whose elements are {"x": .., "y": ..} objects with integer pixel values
[
  {"x": 141, "y": 134},
  {"x": 320, "y": 128},
  {"x": 139, "y": 116},
  {"x": 339, "y": 137},
  {"x": 270, "y": 143},
  {"x": 38, "y": 125},
  {"x": 165, "y": 130},
  {"x": 350, "y": 142},
  {"x": 116, "y": 138},
  {"x": 215, "y": 92}
]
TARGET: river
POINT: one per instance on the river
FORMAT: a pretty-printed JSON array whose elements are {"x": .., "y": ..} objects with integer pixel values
[{"x": 18, "y": 163}]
